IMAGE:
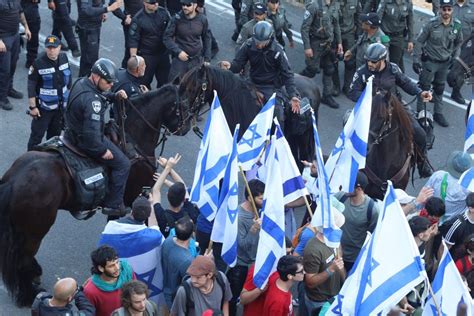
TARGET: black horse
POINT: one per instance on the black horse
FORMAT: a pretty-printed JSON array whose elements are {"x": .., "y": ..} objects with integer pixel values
[
  {"x": 390, "y": 146},
  {"x": 43, "y": 178},
  {"x": 241, "y": 101}
]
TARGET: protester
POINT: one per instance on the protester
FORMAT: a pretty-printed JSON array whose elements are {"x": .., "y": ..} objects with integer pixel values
[
  {"x": 135, "y": 301},
  {"x": 434, "y": 209},
  {"x": 410, "y": 204},
  {"x": 465, "y": 263}
]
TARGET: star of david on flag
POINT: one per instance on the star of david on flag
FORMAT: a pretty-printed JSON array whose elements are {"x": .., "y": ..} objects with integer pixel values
[{"x": 469, "y": 135}]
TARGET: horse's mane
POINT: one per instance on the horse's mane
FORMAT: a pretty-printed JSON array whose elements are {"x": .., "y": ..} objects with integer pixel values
[{"x": 147, "y": 97}]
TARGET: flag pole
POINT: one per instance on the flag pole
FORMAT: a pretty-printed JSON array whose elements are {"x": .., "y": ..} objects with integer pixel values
[
  {"x": 209, "y": 247},
  {"x": 252, "y": 201},
  {"x": 433, "y": 297},
  {"x": 308, "y": 207}
]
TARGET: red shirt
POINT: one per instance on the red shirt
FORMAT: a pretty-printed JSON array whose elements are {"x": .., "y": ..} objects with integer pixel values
[
  {"x": 467, "y": 263},
  {"x": 255, "y": 308},
  {"x": 277, "y": 301}
]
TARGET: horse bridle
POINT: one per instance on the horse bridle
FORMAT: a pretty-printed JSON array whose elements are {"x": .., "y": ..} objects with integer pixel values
[{"x": 385, "y": 129}]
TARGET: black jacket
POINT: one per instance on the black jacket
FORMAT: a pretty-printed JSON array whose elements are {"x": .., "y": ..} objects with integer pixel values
[
  {"x": 90, "y": 13},
  {"x": 127, "y": 82},
  {"x": 268, "y": 66},
  {"x": 84, "y": 118},
  {"x": 147, "y": 30},
  {"x": 81, "y": 306},
  {"x": 387, "y": 80},
  {"x": 131, "y": 7}
]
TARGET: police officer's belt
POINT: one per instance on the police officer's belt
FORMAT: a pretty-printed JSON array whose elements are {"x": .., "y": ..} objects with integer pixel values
[
  {"x": 428, "y": 58},
  {"x": 393, "y": 34}
]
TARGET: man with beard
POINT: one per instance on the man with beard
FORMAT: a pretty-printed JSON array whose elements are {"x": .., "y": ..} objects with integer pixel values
[
  {"x": 135, "y": 301},
  {"x": 387, "y": 76},
  {"x": 109, "y": 274}
]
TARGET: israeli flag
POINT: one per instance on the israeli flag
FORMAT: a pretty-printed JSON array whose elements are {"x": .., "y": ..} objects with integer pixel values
[
  {"x": 225, "y": 227},
  {"x": 141, "y": 247},
  {"x": 467, "y": 179},
  {"x": 469, "y": 135},
  {"x": 350, "y": 151},
  {"x": 448, "y": 288},
  {"x": 253, "y": 141},
  {"x": 216, "y": 145},
  {"x": 271, "y": 243},
  {"x": 387, "y": 268},
  {"x": 332, "y": 233}
]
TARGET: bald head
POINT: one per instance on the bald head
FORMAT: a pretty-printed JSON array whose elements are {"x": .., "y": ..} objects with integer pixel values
[
  {"x": 136, "y": 65},
  {"x": 64, "y": 289}
]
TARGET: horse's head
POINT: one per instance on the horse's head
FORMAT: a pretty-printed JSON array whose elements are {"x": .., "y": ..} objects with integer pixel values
[{"x": 195, "y": 90}]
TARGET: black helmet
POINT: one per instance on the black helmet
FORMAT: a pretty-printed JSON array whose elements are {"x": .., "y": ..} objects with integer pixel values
[
  {"x": 262, "y": 31},
  {"x": 106, "y": 69},
  {"x": 376, "y": 52}
]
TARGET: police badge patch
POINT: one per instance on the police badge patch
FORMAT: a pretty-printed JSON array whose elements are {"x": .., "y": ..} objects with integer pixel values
[
  {"x": 96, "y": 106},
  {"x": 30, "y": 71}
]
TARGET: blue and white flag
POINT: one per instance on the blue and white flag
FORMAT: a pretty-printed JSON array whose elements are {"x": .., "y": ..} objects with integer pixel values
[
  {"x": 225, "y": 227},
  {"x": 387, "y": 268},
  {"x": 350, "y": 151},
  {"x": 271, "y": 243},
  {"x": 448, "y": 288},
  {"x": 216, "y": 145},
  {"x": 332, "y": 233},
  {"x": 253, "y": 141},
  {"x": 467, "y": 179},
  {"x": 140, "y": 246},
  {"x": 469, "y": 135}
]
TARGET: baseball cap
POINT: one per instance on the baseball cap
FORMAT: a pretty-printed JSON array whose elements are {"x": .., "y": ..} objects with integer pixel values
[
  {"x": 52, "y": 41},
  {"x": 446, "y": 3},
  {"x": 187, "y": 1},
  {"x": 151, "y": 1},
  {"x": 371, "y": 18},
  {"x": 403, "y": 197},
  {"x": 201, "y": 265},
  {"x": 260, "y": 9}
]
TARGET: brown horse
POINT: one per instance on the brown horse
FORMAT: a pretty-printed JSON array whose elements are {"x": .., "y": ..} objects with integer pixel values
[
  {"x": 38, "y": 184},
  {"x": 240, "y": 101},
  {"x": 390, "y": 146}
]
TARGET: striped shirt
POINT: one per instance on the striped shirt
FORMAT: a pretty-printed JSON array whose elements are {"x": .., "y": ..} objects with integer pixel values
[{"x": 456, "y": 231}]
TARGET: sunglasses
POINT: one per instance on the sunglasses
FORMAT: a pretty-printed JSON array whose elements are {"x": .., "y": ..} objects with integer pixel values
[
  {"x": 447, "y": 9},
  {"x": 186, "y": 4}
]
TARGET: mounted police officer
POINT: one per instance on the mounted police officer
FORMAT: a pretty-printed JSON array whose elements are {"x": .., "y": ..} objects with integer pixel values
[
  {"x": 146, "y": 39},
  {"x": 269, "y": 67},
  {"x": 438, "y": 41},
  {"x": 62, "y": 23},
  {"x": 49, "y": 81},
  {"x": 387, "y": 76},
  {"x": 84, "y": 120},
  {"x": 320, "y": 31}
]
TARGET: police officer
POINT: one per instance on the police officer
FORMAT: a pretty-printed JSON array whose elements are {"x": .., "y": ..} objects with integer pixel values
[
  {"x": 30, "y": 9},
  {"x": 319, "y": 31},
  {"x": 269, "y": 67},
  {"x": 259, "y": 14},
  {"x": 277, "y": 15},
  {"x": 387, "y": 76},
  {"x": 91, "y": 15},
  {"x": 236, "y": 5},
  {"x": 62, "y": 23},
  {"x": 11, "y": 16},
  {"x": 438, "y": 41},
  {"x": 464, "y": 11},
  {"x": 371, "y": 34},
  {"x": 84, "y": 119},
  {"x": 131, "y": 7},
  {"x": 188, "y": 40},
  {"x": 146, "y": 39},
  {"x": 397, "y": 20},
  {"x": 349, "y": 14},
  {"x": 49, "y": 81},
  {"x": 246, "y": 10}
]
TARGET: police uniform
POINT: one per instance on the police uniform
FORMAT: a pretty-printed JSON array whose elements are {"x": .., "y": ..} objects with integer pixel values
[
  {"x": 435, "y": 46},
  {"x": 32, "y": 16},
  {"x": 89, "y": 24},
  {"x": 190, "y": 36},
  {"x": 280, "y": 25},
  {"x": 49, "y": 82},
  {"x": 319, "y": 31},
  {"x": 397, "y": 20},
  {"x": 246, "y": 10},
  {"x": 146, "y": 34},
  {"x": 62, "y": 24},
  {"x": 84, "y": 120},
  {"x": 247, "y": 31},
  {"x": 349, "y": 12},
  {"x": 364, "y": 41}
]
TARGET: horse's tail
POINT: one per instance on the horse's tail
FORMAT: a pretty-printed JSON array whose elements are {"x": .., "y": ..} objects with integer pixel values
[{"x": 11, "y": 254}]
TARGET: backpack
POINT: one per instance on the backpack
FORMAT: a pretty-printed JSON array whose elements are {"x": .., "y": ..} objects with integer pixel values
[
  {"x": 297, "y": 237},
  {"x": 187, "y": 289},
  {"x": 41, "y": 296}
]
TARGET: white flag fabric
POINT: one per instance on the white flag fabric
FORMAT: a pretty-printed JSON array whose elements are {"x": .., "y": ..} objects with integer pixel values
[
  {"x": 467, "y": 179},
  {"x": 332, "y": 233},
  {"x": 225, "y": 226},
  {"x": 387, "y": 268},
  {"x": 253, "y": 140},
  {"x": 271, "y": 243},
  {"x": 216, "y": 145},
  {"x": 469, "y": 135},
  {"x": 350, "y": 151},
  {"x": 448, "y": 288},
  {"x": 140, "y": 246}
]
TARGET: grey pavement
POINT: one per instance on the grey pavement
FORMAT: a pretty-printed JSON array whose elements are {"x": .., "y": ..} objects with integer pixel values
[{"x": 65, "y": 250}]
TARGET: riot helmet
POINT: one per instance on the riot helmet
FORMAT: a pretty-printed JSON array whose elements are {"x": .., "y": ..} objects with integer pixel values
[
  {"x": 106, "y": 69},
  {"x": 376, "y": 52},
  {"x": 262, "y": 32}
]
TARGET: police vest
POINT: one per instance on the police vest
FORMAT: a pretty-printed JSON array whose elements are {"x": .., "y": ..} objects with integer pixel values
[{"x": 55, "y": 80}]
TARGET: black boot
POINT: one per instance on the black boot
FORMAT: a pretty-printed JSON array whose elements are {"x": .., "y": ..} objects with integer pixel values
[
  {"x": 329, "y": 101},
  {"x": 424, "y": 169},
  {"x": 308, "y": 73},
  {"x": 457, "y": 96},
  {"x": 440, "y": 119}
]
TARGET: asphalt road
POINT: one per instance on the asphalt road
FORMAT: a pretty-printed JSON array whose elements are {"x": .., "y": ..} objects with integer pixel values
[{"x": 65, "y": 250}]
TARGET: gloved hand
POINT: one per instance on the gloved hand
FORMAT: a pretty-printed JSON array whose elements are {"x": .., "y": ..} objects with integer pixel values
[{"x": 417, "y": 68}]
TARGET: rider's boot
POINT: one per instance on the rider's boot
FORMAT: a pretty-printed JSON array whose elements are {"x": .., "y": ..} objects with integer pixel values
[
  {"x": 424, "y": 169},
  {"x": 457, "y": 96}
]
